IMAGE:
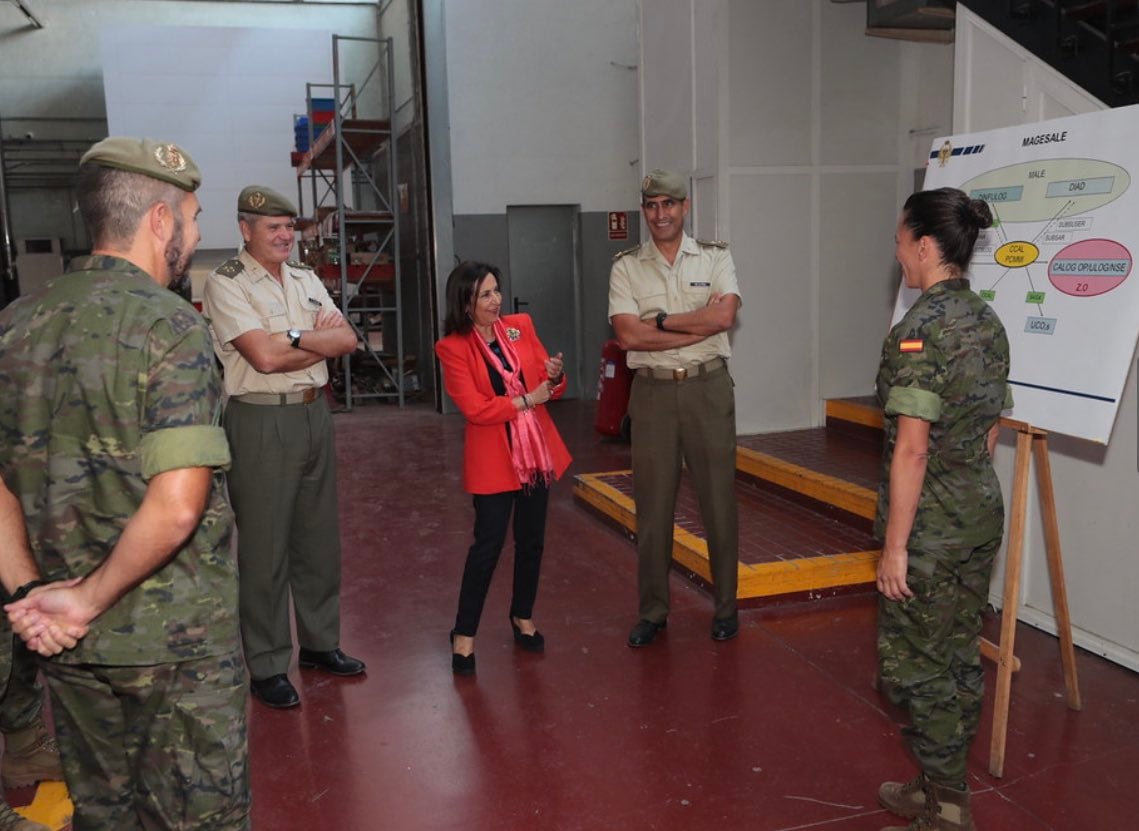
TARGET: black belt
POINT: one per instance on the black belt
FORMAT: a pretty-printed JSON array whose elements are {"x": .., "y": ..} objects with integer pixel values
[{"x": 277, "y": 399}]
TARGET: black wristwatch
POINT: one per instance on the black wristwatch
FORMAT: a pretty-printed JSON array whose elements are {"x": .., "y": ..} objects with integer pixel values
[
  {"x": 24, "y": 590},
  {"x": 660, "y": 320},
  {"x": 294, "y": 337}
]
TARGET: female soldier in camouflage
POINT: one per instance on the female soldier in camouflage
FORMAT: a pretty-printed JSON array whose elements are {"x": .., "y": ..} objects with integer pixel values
[{"x": 942, "y": 385}]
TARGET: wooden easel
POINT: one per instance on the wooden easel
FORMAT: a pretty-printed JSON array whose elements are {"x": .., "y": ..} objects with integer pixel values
[{"x": 1029, "y": 442}]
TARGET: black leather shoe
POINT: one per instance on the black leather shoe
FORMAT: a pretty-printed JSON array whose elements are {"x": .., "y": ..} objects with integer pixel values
[
  {"x": 276, "y": 691},
  {"x": 333, "y": 661},
  {"x": 531, "y": 643},
  {"x": 725, "y": 629},
  {"x": 461, "y": 664},
  {"x": 644, "y": 632}
]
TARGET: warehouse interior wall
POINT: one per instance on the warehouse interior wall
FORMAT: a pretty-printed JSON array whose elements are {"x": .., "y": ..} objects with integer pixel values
[
  {"x": 542, "y": 101},
  {"x": 806, "y": 136},
  {"x": 51, "y": 79},
  {"x": 999, "y": 84}
]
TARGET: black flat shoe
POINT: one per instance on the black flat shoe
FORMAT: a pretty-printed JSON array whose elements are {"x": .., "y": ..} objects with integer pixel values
[
  {"x": 531, "y": 643},
  {"x": 461, "y": 664},
  {"x": 644, "y": 632},
  {"x": 333, "y": 661},
  {"x": 724, "y": 629},
  {"x": 276, "y": 691}
]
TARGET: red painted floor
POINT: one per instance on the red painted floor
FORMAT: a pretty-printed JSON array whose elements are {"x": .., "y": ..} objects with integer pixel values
[{"x": 778, "y": 729}]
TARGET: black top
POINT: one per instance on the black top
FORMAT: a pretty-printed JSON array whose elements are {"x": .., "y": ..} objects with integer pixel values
[{"x": 496, "y": 379}]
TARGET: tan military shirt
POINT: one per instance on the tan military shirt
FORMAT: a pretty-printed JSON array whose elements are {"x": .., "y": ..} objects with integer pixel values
[
  {"x": 642, "y": 283},
  {"x": 241, "y": 296}
]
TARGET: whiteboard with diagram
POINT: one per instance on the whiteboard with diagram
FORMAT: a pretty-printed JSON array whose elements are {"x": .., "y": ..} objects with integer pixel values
[{"x": 1058, "y": 264}]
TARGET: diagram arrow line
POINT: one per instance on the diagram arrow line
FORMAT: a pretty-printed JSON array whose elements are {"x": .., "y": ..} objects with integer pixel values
[
  {"x": 1048, "y": 224},
  {"x": 1000, "y": 225},
  {"x": 1039, "y": 306},
  {"x": 994, "y": 285}
]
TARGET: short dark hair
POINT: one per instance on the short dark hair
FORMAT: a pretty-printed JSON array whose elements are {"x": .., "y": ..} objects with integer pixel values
[
  {"x": 113, "y": 202},
  {"x": 461, "y": 285},
  {"x": 951, "y": 218}
]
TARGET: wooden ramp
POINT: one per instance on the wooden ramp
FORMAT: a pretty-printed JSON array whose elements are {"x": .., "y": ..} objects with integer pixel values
[{"x": 806, "y": 502}]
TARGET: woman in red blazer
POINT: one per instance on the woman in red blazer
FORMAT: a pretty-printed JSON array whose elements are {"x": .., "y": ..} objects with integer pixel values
[{"x": 500, "y": 376}]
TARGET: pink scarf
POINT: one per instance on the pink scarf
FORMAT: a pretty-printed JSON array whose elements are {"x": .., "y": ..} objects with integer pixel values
[{"x": 528, "y": 449}]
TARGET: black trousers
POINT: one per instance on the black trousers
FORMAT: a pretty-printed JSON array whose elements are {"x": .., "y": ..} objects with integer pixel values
[{"x": 492, "y": 519}]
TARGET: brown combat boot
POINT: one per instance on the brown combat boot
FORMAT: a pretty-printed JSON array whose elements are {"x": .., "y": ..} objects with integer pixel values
[
  {"x": 944, "y": 809},
  {"x": 905, "y": 799},
  {"x": 11, "y": 821},
  {"x": 30, "y": 756}
]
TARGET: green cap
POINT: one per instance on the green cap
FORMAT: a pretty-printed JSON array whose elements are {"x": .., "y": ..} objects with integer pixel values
[
  {"x": 263, "y": 201},
  {"x": 157, "y": 159},
  {"x": 664, "y": 183}
]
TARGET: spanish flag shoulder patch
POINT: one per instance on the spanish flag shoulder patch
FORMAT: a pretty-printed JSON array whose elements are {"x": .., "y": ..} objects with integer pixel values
[{"x": 913, "y": 345}]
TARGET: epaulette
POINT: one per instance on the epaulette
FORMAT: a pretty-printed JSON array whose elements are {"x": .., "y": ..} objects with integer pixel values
[
  {"x": 713, "y": 243},
  {"x": 231, "y": 268},
  {"x": 299, "y": 264},
  {"x": 621, "y": 254}
]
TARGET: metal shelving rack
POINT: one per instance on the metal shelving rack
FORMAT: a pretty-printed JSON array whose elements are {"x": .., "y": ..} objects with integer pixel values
[{"x": 344, "y": 161}]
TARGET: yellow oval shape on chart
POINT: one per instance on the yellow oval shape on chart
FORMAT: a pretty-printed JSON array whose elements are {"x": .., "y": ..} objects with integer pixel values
[{"x": 1016, "y": 254}]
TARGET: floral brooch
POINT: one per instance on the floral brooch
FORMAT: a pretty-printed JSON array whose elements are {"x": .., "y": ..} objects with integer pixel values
[{"x": 512, "y": 333}]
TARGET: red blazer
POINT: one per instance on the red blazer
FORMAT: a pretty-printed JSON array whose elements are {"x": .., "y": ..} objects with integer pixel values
[{"x": 487, "y": 467}]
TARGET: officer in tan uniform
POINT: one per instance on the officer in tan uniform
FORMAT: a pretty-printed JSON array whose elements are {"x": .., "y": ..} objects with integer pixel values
[
  {"x": 672, "y": 301},
  {"x": 274, "y": 326}
]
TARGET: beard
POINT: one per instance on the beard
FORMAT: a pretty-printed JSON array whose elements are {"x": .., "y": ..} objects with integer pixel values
[{"x": 178, "y": 263}]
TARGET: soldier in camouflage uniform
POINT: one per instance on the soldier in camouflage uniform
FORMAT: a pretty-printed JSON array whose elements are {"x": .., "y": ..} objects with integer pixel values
[
  {"x": 113, "y": 451},
  {"x": 942, "y": 385}
]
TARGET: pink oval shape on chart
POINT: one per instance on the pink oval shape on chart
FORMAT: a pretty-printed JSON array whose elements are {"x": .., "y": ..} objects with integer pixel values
[{"x": 1090, "y": 267}]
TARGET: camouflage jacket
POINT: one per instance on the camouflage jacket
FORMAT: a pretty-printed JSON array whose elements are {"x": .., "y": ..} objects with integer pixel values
[
  {"x": 109, "y": 379},
  {"x": 947, "y": 362}
]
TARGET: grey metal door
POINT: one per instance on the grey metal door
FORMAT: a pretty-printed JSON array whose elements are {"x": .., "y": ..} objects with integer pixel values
[{"x": 544, "y": 269}]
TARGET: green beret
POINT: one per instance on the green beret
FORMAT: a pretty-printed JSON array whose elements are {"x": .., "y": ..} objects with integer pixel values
[
  {"x": 263, "y": 201},
  {"x": 157, "y": 159},
  {"x": 664, "y": 183}
]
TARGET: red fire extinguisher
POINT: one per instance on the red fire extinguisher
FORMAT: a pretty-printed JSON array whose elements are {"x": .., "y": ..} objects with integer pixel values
[{"x": 613, "y": 385}]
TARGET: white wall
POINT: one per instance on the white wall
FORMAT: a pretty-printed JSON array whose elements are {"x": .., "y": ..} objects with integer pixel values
[
  {"x": 803, "y": 135},
  {"x": 999, "y": 84},
  {"x": 56, "y": 72},
  {"x": 228, "y": 96},
  {"x": 543, "y": 103}
]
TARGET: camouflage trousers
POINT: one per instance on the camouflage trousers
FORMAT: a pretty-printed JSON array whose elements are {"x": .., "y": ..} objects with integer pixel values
[
  {"x": 154, "y": 747},
  {"x": 929, "y": 655},
  {"x": 21, "y": 696}
]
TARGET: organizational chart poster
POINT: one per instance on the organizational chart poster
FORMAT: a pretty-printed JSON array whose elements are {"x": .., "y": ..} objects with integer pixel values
[{"x": 1058, "y": 264}]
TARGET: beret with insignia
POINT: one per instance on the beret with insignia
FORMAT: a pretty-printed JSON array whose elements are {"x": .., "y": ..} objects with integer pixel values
[
  {"x": 664, "y": 183},
  {"x": 157, "y": 159},
  {"x": 263, "y": 201}
]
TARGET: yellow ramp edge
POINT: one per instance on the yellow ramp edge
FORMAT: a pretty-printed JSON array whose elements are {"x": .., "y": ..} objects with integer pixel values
[
  {"x": 849, "y": 497},
  {"x": 755, "y": 580},
  {"x": 51, "y": 806},
  {"x": 854, "y": 412}
]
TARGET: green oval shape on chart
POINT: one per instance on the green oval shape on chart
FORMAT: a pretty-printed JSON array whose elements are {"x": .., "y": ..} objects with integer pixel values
[{"x": 1049, "y": 188}]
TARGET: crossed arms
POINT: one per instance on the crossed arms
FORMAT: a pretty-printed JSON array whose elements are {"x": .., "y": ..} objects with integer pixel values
[{"x": 682, "y": 328}]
